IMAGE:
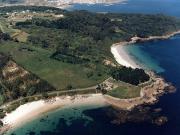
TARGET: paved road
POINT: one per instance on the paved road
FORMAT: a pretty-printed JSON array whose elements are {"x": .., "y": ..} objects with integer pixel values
[
  {"x": 55, "y": 92},
  {"x": 51, "y": 92}
]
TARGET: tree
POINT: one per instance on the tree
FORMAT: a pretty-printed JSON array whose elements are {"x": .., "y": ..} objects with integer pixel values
[
  {"x": 69, "y": 87},
  {"x": 44, "y": 95}
]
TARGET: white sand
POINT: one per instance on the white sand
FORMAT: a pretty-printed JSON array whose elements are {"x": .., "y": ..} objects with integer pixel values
[
  {"x": 122, "y": 57},
  {"x": 31, "y": 110}
]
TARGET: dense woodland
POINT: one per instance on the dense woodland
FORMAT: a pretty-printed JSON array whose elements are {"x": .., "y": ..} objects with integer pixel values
[
  {"x": 129, "y": 75},
  {"x": 100, "y": 26},
  {"x": 30, "y": 8},
  {"x": 82, "y": 35},
  {"x": 4, "y": 36}
]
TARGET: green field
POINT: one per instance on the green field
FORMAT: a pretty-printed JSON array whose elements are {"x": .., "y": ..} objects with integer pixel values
[
  {"x": 125, "y": 91},
  {"x": 69, "y": 52},
  {"x": 4, "y": 26},
  {"x": 14, "y": 33},
  {"x": 59, "y": 74},
  {"x": 37, "y": 60}
]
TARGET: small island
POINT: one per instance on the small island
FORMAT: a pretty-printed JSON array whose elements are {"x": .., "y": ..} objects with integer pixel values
[{"x": 51, "y": 58}]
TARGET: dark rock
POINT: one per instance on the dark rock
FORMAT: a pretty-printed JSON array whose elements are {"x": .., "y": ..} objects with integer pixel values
[
  {"x": 157, "y": 110},
  {"x": 160, "y": 121},
  {"x": 170, "y": 88}
]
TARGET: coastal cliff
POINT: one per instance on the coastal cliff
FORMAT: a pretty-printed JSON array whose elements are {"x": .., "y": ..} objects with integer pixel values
[
  {"x": 155, "y": 88},
  {"x": 149, "y": 94},
  {"x": 72, "y": 51}
]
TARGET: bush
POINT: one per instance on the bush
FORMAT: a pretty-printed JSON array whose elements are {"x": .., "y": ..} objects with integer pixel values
[
  {"x": 69, "y": 87},
  {"x": 2, "y": 115}
]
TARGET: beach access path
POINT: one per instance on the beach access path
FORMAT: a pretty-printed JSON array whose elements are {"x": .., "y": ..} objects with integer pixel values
[{"x": 57, "y": 92}]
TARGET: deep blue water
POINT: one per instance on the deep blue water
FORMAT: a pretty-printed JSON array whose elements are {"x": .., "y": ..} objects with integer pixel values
[
  {"x": 168, "y": 7},
  {"x": 166, "y": 55},
  {"x": 160, "y": 56},
  {"x": 97, "y": 121}
]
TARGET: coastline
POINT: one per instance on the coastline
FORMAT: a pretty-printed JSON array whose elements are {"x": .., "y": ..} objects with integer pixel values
[
  {"x": 151, "y": 38},
  {"x": 64, "y": 4},
  {"x": 149, "y": 94},
  {"x": 124, "y": 59},
  {"x": 24, "y": 114}
]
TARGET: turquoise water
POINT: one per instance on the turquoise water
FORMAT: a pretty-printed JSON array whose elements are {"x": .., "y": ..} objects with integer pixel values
[
  {"x": 143, "y": 58},
  {"x": 97, "y": 120},
  {"x": 151, "y": 58},
  {"x": 48, "y": 121},
  {"x": 160, "y": 56}
]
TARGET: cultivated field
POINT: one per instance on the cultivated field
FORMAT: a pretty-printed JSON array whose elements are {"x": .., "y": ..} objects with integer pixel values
[{"x": 59, "y": 74}]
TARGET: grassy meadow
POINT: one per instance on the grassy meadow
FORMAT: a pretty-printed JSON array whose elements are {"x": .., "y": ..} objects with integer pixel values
[
  {"x": 59, "y": 74},
  {"x": 125, "y": 91},
  {"x": 68, "y": 52}
]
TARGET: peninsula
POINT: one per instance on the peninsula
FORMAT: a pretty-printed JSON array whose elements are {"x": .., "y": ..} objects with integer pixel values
[{"x": 75, "y": 59}]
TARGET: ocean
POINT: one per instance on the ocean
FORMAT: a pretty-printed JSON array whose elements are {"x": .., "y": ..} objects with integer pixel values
[
  {"x": 162, "y": 56},
  {"x": 168, "y": 7}
]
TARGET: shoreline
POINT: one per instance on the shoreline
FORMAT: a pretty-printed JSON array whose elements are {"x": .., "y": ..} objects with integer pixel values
[
  {"x": 24, "y": 114},
  {"x": 123, "y": 58},
  {"x": 150, "y": 93},
  {"x": 64, "y": 4},
  {"x": 151, "y": 38}
]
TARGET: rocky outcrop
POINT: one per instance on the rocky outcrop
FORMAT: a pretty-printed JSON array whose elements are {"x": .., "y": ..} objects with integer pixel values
[{"x": 149, "y": 94}]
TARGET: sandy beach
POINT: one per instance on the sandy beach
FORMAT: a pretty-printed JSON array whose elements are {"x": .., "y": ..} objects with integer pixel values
[
  {"x": 30, "y": 111},
  {"x": 27, "y": 112},
  {"x": 149, "y": 94},
  {"x": 122, "y": 57}
]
